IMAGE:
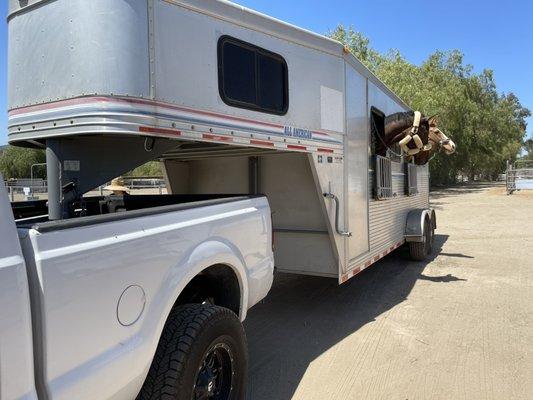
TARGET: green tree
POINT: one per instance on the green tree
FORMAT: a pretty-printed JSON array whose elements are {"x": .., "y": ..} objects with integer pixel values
[
  {"x": 16, "y": 162},
  {"x": 151, "y": 168},
  {"x": 528, "y": 147}
]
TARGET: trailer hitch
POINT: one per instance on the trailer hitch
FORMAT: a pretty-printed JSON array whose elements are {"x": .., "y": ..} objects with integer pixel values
[{"x": 336, "y": 200}]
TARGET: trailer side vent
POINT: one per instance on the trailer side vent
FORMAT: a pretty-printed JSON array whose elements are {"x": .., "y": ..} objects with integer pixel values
[
  {"x": 383, "y": 178},
  {"x": 411, "y": 184}
]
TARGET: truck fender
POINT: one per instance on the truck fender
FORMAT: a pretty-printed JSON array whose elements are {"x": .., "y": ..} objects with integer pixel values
[
  {"x": 414, "y": 225},
  {"x": 203, "y": 256}
]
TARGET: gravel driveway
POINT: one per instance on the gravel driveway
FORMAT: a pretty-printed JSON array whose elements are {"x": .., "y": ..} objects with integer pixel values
[{"x": 459, "y": 326}]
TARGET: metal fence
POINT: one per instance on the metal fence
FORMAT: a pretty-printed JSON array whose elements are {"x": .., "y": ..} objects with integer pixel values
[
  {"x": 519, "y": 176},
  {"x": 37, "y": 189}
]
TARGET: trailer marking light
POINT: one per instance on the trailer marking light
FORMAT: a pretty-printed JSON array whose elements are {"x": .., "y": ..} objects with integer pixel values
[
  {"x": 324, "y": 150},
  {"x": 296, "y": 147},
  {"x": 148, "y": 129},
  {"x": 216, "y": 137},
  {"x": 262, "y": 143}
]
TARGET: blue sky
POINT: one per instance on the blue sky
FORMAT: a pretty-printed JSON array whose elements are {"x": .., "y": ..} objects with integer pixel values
[{"x": 492, "y": 33}]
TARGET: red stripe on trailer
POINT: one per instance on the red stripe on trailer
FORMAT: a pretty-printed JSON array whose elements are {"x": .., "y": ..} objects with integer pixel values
[
  {"x": 196, "y": 111},
  {"x": 368, "y": 263},
  {"x": 296, "y": 147},
  {"x": 149, "y": 129},
  {"x": 216, "y": 137},
  {"x": 322, "y": 150},
  {"x": 56, "y": 104},
  {"x": 262, "y": 143},
  {"x": 95, "y": 99}
]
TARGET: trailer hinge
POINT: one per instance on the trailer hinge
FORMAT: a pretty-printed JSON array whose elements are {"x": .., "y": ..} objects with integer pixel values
[{"x": 337, "y": 205}]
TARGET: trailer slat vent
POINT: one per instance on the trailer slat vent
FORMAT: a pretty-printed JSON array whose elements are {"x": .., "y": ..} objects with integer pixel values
[
  {"x": 411, "y": 184},
  {"x": 383, "y": 179}
]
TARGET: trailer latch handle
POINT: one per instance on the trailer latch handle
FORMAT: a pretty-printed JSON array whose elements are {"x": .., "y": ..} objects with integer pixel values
[{"x": 336, "y": 200}]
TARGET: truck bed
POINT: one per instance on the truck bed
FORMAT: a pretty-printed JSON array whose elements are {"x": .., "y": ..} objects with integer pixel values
[
  {"x": 80, "y": 268},
  {"x": 97, "y": 209}
]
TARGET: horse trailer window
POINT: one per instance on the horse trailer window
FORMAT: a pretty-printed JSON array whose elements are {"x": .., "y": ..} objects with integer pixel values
[
  {"x": 251, "y": 77},
  {"x": 377, "y": 129}
]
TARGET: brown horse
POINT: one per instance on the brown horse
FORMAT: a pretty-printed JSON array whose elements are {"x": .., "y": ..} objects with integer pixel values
[{"x": 430, "y": 139}]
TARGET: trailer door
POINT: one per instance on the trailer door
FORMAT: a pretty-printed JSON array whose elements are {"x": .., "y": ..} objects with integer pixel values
[{"x": 356, "y": 163}]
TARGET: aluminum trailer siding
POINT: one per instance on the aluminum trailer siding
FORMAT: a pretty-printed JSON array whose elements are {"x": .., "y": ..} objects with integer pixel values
[{"x": 142, "y": 78}]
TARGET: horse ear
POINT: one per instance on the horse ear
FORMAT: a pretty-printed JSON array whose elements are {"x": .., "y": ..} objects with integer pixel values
[{"x": 433, "y": 120}]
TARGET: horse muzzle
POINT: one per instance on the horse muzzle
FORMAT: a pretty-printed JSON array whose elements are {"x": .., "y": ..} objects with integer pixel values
[{"x": 449, "y": 146}]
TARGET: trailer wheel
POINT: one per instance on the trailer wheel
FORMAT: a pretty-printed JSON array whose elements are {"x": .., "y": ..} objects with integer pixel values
[
  {"x": 418, "y": 251},
  {"x": 202, "y": 354}
]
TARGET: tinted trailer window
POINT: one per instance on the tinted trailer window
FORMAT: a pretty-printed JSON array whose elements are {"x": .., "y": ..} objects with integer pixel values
[{"x": 251, "y": 77}]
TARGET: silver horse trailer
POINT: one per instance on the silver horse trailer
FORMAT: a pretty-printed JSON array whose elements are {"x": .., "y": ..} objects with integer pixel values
[{"x": 230, "y": 101}]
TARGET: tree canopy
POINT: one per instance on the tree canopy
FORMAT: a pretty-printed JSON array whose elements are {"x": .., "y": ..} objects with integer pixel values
[
  {"x": 488, "y": 127},
  {"x": 16, "y": 162}
]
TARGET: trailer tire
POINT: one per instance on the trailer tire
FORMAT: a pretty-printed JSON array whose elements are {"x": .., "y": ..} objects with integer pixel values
[
  {"x": 202, "y": 350},
  {"x": 418, "y": 251}
]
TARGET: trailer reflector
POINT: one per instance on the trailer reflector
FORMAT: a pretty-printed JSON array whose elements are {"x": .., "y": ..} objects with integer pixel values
[
  {"x": 164, "y": 131},
  {"x": 262, "y": 143}
]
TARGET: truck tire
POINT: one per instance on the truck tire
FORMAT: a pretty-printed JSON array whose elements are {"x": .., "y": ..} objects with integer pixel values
[
  {"x": 202, "y": 354},
  {"x": 418, "y": 251}
]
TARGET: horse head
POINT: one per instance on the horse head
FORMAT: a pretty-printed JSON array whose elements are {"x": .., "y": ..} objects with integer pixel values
[
  {"x": 409, "y": 129},
  {"x": 438, "y": 139},
  {"x": 418, "y": 136}
]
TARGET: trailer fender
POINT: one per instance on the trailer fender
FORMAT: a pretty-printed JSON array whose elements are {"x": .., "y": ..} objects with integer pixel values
[
  {"x": 433, "y": 218},
  {"x": 414, "y": 226}
]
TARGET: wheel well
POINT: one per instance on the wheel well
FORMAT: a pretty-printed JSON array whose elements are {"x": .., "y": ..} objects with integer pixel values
[{"x": 217, "y": 284}]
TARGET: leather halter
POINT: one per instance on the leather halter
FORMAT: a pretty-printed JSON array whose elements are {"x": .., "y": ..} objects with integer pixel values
[{"x": 413, "y": 136}]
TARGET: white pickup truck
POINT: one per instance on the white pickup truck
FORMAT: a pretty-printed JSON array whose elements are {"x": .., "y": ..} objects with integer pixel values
[{"x": 129, "y": 301}]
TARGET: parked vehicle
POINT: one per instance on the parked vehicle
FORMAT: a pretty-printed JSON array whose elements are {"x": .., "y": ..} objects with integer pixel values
[
  {"x": 231, "y": 102},
  {"x": 105, "y": 288}
]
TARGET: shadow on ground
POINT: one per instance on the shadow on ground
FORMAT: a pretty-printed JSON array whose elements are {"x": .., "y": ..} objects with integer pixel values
[
  {"x": 304, "y": 316},
  {"x": 465, "y": 188}
]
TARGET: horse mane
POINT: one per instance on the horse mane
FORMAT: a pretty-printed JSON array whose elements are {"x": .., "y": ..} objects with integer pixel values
[{"x": 400, "y": 118}]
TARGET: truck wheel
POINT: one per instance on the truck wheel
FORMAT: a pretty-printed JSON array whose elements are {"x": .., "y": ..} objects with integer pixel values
[
  {"x": 202, "y": 354},
  {"x": 418, "y": 251}
]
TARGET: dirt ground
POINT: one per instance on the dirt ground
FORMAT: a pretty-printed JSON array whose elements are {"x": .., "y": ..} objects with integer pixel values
[{"x": 459, "y": 326}]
